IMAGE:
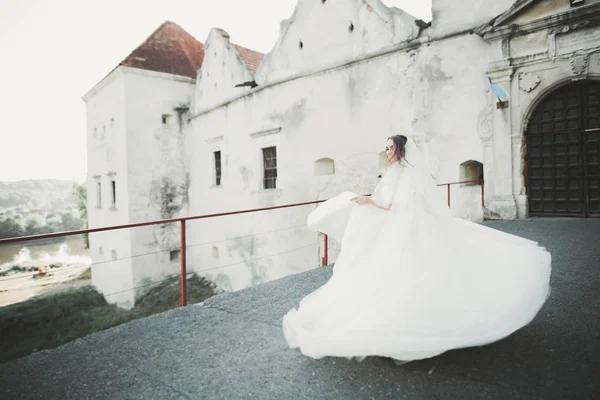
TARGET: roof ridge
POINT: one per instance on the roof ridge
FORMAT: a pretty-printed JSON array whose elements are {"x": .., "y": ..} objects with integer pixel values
[
  {"x": 170, "y": 49},
  {"x": 185, "y": 49},
  {"x": 247, "y": 48},
  {"x": 245, "y": 54}
]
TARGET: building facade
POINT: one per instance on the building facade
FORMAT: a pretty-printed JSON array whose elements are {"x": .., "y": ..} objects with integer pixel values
[
  {"x": 137, "y": 165},
  {"x": 500, "y": 91}
]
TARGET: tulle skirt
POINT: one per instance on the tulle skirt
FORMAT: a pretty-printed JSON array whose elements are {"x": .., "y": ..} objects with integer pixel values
[{"x": 413, "y": 284}]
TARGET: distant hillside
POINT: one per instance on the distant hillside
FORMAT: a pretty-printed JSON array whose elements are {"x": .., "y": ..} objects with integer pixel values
[{"x": 38, "y": 194}]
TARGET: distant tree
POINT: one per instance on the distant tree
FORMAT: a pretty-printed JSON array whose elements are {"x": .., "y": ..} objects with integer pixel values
[
  {"x": 35, "y": 224},
  {"x": 54, "y": 223},
  {"x": 71, "y": 223},
  {"x": 80, "y": 195},
  {"x": 10, "y": 228}
]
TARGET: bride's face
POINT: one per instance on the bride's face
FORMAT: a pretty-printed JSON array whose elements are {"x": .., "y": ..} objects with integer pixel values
[{"x": 390, "y": 150}]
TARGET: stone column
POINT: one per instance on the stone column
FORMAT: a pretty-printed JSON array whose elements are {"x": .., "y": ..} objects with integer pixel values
[
  {"x": 518, "y": 180},
  {"x": 501, "y": 202}
]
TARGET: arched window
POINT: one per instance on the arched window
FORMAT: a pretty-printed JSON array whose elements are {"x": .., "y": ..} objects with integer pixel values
[{"x": 472, "y": 172}]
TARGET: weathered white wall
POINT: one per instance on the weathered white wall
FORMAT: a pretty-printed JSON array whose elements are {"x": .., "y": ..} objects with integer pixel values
[
  {"x": 146, "y": 159},
  {"x": 451, "y": 16},
  {"x": 220, "y": 72},
  {"x": 321, "y": 34},
  {"x": 106, "y": 146},
  {"x": 157, "y": 168},
  {"x": 345, "y": 115}
]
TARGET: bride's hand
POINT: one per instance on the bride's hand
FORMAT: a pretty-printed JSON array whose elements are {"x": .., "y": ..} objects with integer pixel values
[{"x": 362, "y": 200}]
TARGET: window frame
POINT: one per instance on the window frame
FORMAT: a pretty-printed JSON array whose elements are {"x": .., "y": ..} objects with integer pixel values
[
  {"x": 265, "y": 139},
  {"x": 217, "y": 167},
  {"x": 215, "y": 144},
  {"x": 98, "y": 185},
  {"x": 113, "y": 190},
  {"x": 269, "y": 167}
]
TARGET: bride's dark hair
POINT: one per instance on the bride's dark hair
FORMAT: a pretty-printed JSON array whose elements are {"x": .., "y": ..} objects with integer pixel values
[{"x": 399, "y": 146}]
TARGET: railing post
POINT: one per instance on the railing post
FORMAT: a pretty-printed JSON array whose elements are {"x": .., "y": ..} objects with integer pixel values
[
  {"x": 182, "y": 256},
  {"x": 325, "y": 250},
  {"x": 448, "y": 195},
  {"x": 482, "y": 193}
]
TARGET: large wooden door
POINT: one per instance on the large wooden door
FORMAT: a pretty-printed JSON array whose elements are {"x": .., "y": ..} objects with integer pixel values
[{"x": 563, "y": 150}]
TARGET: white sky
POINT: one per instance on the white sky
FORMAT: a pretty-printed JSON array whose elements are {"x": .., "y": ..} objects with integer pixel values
[{"x": 53, "y": 52}]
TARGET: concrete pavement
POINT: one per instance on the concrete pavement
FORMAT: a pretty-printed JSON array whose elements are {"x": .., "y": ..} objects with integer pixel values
[{"x": 232, "y": 347}]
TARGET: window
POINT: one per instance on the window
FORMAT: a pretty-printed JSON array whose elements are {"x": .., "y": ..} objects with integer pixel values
[
  {"x": 324, "y": 166},
  {"x": 217, "y": 168},
  {"x": 98, "y": 193},
  {"x": 113, "y": 193},
  {"x": 112, "y": 122},
  {"x": 471, "y": 172},
  {"x": 166, "y": 118},
  {"x": 269, "y": 167},
  {"x": 174, "y": 255}
]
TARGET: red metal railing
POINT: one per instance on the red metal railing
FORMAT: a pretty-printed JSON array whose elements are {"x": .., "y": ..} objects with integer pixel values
[
  {"x": 182, "y": 221},
  {"x": 480, "y": 182}
]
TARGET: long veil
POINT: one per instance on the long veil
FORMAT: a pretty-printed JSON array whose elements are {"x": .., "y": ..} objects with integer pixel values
[{"x": 423, "y": 182}]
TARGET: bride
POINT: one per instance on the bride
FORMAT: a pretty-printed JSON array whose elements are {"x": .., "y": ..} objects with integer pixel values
[{"x": 412, "y": 281}]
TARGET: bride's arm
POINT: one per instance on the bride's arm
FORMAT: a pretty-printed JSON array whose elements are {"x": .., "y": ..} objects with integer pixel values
[{"x": 362, "y": 200}]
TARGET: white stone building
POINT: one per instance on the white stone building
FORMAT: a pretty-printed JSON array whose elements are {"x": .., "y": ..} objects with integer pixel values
[
  {"x": 137, "y": 171},
  {"x": 323, "y": 101}
]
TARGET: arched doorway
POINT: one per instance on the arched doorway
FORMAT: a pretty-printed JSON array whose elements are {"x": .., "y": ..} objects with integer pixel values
[{"x": 562, "y": 153}]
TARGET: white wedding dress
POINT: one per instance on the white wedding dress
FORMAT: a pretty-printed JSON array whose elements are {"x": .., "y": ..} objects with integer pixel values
[{"x": 414, "y": 282}]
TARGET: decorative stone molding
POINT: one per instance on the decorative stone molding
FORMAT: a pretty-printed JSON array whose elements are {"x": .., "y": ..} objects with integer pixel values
[
  {"x": 266, "y": 132},
  {"x": 579, "y": 65},
  {"x": 528, "y": 82},
  {"x": 484, "y": 121},
  {"x": 500, "y": 71},
  {"x": 562, "y": 43},
  {"x": 214, "y": 139},
  {"x": 500, "y": 26},
  {"x": 570, "y": 27},
  {"x": 516, "y": 140}
]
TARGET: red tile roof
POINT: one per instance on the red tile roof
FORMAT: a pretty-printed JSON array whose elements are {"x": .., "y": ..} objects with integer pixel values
[
  {"x": 251, "y": 58},
  {"x": 168, "y": 49},
  {"x": 172, "y": 50}
]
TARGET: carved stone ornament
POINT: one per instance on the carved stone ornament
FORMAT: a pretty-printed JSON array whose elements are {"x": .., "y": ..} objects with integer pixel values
[
  {"x": 528, "y": 82},
  {"x": 580, "y": 64},
  {"x": 484, "y": 120},
  {"x": 568, "y": 28}
]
